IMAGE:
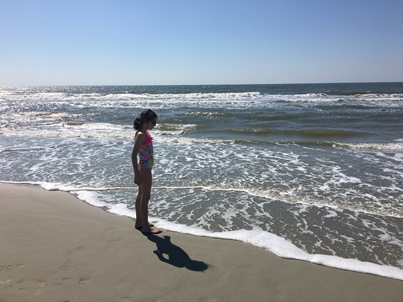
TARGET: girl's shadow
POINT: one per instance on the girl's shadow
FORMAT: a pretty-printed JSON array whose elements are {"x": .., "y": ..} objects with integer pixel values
[{"x": 172, "y": 254}]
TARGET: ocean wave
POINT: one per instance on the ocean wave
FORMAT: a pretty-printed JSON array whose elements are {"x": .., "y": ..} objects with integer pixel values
[
  {"x": 71, "y": 130},
  {"x": 111, "y": 132},
  {"x": 316, "y": 133},
  {"x": 272, "y": 195},
  {"x": 178, "y": 128},
  {"x": 276, "y": 117},
  {"x": 281, "y": 196},
  {"x": 258, "y": 237},
  {"x": 50, "y": 186},
  {"x": 388, "y": 147},
  {"x": 41, "y": 124},
  {"x": 209, "y": 114},
  {"x": 286, "y": 249},
  {"x": 60, "y": 96},
  {"x": 105, "y": 99},
  {"x": 291, "y": 198},
  {"x": 381, "y": 96},
  {"x": 173, "y": 133}
]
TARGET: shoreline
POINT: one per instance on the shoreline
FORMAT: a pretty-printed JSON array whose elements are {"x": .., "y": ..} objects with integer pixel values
[
  {"x": 255, "y": 237},
  {"x": 55, "y": 247}
]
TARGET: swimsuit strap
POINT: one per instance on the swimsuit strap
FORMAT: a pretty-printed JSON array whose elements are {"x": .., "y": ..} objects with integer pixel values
[{"x": 148, "y": 139}]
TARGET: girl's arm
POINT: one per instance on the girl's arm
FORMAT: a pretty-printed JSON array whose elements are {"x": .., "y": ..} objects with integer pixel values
[{"x": 138, "y": 140}]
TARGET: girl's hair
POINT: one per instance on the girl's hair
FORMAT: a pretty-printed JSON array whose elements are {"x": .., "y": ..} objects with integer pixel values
[{"x": 146, "y": 116}]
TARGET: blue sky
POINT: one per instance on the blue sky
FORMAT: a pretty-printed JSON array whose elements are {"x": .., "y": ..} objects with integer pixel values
[{"x": 130, "y": 42}]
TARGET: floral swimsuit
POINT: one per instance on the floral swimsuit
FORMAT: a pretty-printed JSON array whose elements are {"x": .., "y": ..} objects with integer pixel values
[{"x": 146, "y": 153}]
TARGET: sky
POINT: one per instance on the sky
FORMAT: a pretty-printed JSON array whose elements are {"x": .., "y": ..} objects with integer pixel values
[{"x": 185, "y": 42}]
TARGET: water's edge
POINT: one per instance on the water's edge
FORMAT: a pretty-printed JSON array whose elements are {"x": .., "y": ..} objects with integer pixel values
[{"x": 256, "y": 237}]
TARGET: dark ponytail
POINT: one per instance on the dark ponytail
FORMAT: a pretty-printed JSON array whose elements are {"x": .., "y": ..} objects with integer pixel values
[
  {"x": 146, "y": 116},
  {"x": 137, "y": 123}
]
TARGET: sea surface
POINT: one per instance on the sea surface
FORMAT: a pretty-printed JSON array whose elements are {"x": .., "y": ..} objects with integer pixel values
[{"x": 311, "y": 172}]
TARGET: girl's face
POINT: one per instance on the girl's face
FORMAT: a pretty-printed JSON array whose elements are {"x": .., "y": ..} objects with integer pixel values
[{"x": 151, "y": 124}]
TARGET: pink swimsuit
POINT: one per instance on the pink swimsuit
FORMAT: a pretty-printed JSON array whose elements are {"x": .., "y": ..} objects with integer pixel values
[{"x": 146, "y": 153}]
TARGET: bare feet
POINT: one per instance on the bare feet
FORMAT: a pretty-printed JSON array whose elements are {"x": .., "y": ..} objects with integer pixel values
[
  {"x": 139, "y": 227},
  {"x": 151, "y": 230}
]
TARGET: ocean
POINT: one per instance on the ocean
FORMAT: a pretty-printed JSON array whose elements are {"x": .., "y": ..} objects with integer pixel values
[{"x": 310, "y": 171}]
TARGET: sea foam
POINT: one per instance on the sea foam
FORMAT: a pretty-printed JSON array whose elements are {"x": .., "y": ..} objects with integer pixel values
[{"x": 256, "y": 237}]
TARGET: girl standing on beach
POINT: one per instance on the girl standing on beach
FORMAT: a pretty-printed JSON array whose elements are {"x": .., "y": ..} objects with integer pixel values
[{"x": 143, "y": 148}]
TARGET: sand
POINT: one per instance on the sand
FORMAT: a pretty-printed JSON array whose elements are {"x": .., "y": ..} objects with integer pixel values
[{"x": 54, "y": 247}]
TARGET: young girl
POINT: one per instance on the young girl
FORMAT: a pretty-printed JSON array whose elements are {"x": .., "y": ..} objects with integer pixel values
[{"x": 143, "y": 146}]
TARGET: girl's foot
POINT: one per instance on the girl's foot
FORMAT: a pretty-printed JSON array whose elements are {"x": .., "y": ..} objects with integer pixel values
[
  {"x": 139, "y": 227},
  {"x": 152, "y": 231}
]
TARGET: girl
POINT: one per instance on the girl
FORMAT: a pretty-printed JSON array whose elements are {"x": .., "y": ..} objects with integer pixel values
[{"x": 143, "y": 146}]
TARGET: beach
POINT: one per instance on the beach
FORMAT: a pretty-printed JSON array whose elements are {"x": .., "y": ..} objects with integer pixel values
[
  {"x": 310, "y": 172},
  {"x": 55, "y": 247}
]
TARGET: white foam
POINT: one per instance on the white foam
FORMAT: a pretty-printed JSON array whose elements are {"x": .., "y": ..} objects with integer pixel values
[
  {"x": 271, "y": 242},
  {"x": 237, "y": 99},
  {"x": 62, "y": 187},
  {"x": 397, "y": 146},
  {"x": 175, "y": 129},
  {"x": 108, "y": 131},
  {"x": 121, "y": 209},
  {"x": 91, "y": 198},
  {"x": 285, "y": 249},
  {"x": 111, "y": 100},
  {"x": 257, "y": 237},
  {"x": 45, "y": 185}
]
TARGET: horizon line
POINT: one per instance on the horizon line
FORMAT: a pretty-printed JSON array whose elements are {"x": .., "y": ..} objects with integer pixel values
[{"x": 256, "y": 84}]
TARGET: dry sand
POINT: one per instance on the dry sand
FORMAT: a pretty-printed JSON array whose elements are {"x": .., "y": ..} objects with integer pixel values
[{"x": 54, "y": 247}]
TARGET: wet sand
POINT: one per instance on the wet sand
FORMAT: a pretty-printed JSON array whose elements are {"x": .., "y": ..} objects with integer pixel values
[{"x": 54, "y": 247}]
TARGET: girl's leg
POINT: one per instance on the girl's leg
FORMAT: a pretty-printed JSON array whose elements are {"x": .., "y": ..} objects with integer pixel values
[
  {"x": 138, "y": 212},
  {"x": 146, "y": 184}
]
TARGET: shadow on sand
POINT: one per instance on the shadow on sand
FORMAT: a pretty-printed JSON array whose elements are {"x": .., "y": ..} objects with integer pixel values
[{"x": 172, "y": 254}]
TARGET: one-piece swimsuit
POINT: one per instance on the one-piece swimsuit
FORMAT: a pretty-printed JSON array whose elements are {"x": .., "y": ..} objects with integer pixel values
[{"x": 146, "y": 153}]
